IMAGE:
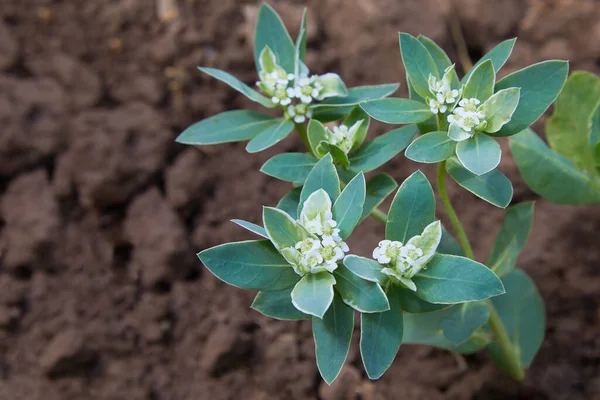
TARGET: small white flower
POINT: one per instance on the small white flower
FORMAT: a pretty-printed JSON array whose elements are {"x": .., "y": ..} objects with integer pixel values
[
  {"x": 436, "y": 85},
  {"x": 387, "y": 251},
  {"x": 308, "y": 245},
  {"x": 450, "y": 96},
  {"x": 464, "y": 119},
  {"x": 437, "y": 106},
  {"x": 299, "y": 112}
]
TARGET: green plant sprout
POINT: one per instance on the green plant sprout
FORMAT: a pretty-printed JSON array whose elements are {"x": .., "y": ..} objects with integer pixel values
[
  {"x": 569, "y": 171},
  {"x": 419, "y": 285}
]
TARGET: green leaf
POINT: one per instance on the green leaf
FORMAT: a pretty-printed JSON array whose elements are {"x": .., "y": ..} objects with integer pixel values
[
  {"x": 382, "y": 149},
  {"x": 313, "y": 294},
  {"x": 433, "y": 147},
  {"x": 551, "y": 174},
  {"x": 498, "y": 55},
  {"x": 412, "y": 209},
  {"x": 333, "y": 86},
  {"x": 283, "y": 230},
  {"x": 338, "y": 155},
  {"x": 449, "y": 245},
  {"x": 358, "y": 95},
  {"x": 290, "y": 167},
  {"x": 278, "y": 305},
  {"x": 413, "y": 304},
  {"x": 440, "y": 58},
  {"x": 492, "y": 187},
  {"x": 523, "y": 313},
  {"x": 317, "y": 132},
  {"x": 323, "y": 176},
  {"x": 481, "y": 82},
  {"x": 253, "y": 264},
  {"x": 332, "y": 336},
  {"x": 379, "y": 187},
  {"x": 289, "y": 202},
  {"x": 397, "y": 111},
  {"x": 540, "y": 85},
  {"x": 418, "y": 64},
  {"x": 356, "y": 115},
  {"x": 568, "y": 129},
  {"x": 381, "y": 336},
  {"x": 499, "y": 108},
  {"x": 301, "y": 39},
  {"x": 365, "y": 268},
  {"x": 462, "y": 320},
  {"x": 362, "y": 295},
  {"x": 238, "y": 85},
  {"x": 270, "y": 136},
  {"x": 511, "y": 239},
  {"x": 429, "y": 125},
  {"x": 479, "y": 154},
  {"x": 330, "y": 114},
  {"x": 595, "y": 135},
  {"x": 259, "y": 230},
  {"x": 270, "y": 31},
  {"x": 452, "y": 279},
  {"x": 348, "y": 208},
  {"x": 230, "y": 126}
]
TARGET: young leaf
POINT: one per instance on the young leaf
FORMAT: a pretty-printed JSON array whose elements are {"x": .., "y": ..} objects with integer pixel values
[
  {"x": 492, "y": 187},
  {"x": 523, "y": 314},
  {"x": 338, "y": 155},
  {"x": 289, "y": 203},
  {"x": 301, "y": 39},
  {"x": 238, "y": 85},
  {"x": 479, "y": 154},
  {"x": 511, "y": 239},
  {"x": 317, "y": 133},
  {"x": 278, "y": 305},
  {"x": 358, "y": 114},
  {"x": 499, "y": 108},
  {"x": 413, "y": 304},
  {"x": 551, "y": 174},
  {"x": 540, "y": 85},
  {"x": 481, "y": 82},
  {"x": 290, "y": 167},
  {"x": 348, "y": 208},
  {"x": 270, "y": 136},
  {"x": 323, "y": 176},
  {"x": 397, "y": 111},
  {"x": 433, "y": 147},
  {"x": 270, "y": 31},
  {"x": 418, "y": 64},
  {"x": 253, "y": 264},
  {"x": 359, "y": 94},
  {"x": 381, "y": 336},
  {"x": 259, "y": 230},
  {"x": 462, "y": 320},
  {"x": 230, "y": 126},
  {"x": 313, "y": 294},
  {"x": 412, "y": 209},
  {"x": 498, "y": 55},
  {"x": 440, "y": 58},
  {"x": 382, "y": 149},
  {"x": 365, "y": 268},
  {"x": 332, "y": 336},
  {"x": 362, "y": 295},
  {"x": 333, "y": 86},
  {"x": 453, "y": 279},
  {"x": 283, "y": 230},
  {"x": 379, "y": 187}
]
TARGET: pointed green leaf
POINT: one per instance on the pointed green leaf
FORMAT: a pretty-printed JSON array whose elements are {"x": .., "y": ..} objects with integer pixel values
[
  {"x": 362, "y": 295},
  {"x": 270, "y": 31},
  {"x": 458, "y": 134},
  {"x": 333, "y": 86},
  {"x": 412, "y": 209},
  {"x": 259, "y": 230},
  {"x": 379, "y": 187},
  {"x": 290, "y": 167},
  {"x": 323, "y": 176},
  {"x": 381, "y": 336},
  {"x": 358, "y": 114},
  {"x": 462, "y": 320},
  {"x": 433, "y": 147},
  {"x": 595, "y": 135},
  {"x": 430, "y": 124},
  {"x": 339, "y": 156},
  {"x": 332, "y": 336},
  {"x": 440, "y": 58},
  {"x": 365, "y": 268},
  {"x": 453, "y": 279},
  {"x": 511, "y": 239},
  {"x": 301, "y": 39},
  {"x": 413, "y": 304},
  {"x": 278, "y": 305},
  {"x": 348, "y": 208},
  {"x": 551, "y": 174},
  {"x": 289, "y": 203},
  {"x": 481, "y": 82},
  {"x": 358, "y": 95},
  {"x": 382, "y": 149},
  {"x": 500, "y": 108},
  {"x": 397, "y": 111},
  {"x": 238, "y": 85},
  {"x": 317, "y": 132},
  {"x": 313, "y": 294},
  {"x": 253, "y": 264},
  {"x": 330, "y": 114},
  {"x": 283, "y": 230},
  {"x": 230, "y": 126},
  {"x": 418, "y": 64},
  {"x": 540, "y": 85},
  {"x": 492, "y": 187},
  {"x": 270, "y": 136},
  {"x": 449, "y": 245},
  {"x": 498, "y": 55},
  {"x": 479, "y": 154}
]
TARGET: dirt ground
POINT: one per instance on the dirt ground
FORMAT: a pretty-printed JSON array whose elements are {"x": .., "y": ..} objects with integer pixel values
[{"x": 101, "y": 213}]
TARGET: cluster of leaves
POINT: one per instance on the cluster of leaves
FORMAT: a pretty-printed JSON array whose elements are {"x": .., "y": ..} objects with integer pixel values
[
  {"x": 569, "y": 171},
  {"x": 419, "y": 287}
]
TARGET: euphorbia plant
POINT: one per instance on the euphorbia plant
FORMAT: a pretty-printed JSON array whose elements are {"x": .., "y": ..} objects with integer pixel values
[{"x": 419, "y": 285}]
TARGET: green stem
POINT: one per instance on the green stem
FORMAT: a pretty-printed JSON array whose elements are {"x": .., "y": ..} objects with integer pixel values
[
  {"x": 301, "y": 129},
  {"x": 379, "y": 215}
]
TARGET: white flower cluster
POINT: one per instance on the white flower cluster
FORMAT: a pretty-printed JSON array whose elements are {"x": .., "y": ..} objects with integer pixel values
[
  {"x": 402, "y": 258},
  {"x": 343, "y": 136},
  {"x": 468, "y": 116},
  {"x": 444, "y": 95}
]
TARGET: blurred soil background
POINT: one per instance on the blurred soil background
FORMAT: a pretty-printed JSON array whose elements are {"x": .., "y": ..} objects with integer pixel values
[{"x": 101, "y": 212}]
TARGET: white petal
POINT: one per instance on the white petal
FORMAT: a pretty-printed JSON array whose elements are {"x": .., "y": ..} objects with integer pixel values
[{"x": 299, "y": 119}]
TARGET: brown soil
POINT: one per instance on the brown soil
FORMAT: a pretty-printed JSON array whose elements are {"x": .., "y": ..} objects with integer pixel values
[{"x": 101, "y": 212}]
